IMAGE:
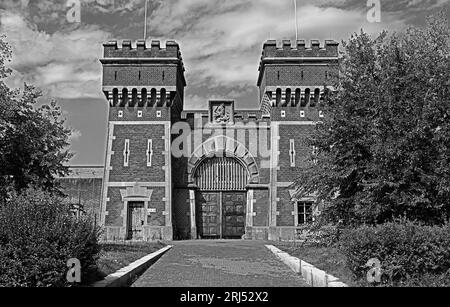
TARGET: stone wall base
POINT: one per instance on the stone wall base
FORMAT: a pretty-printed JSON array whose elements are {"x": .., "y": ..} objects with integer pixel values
[{"x": 115, "y": 234}]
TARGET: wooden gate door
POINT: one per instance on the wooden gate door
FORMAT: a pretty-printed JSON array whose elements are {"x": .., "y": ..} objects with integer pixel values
[
  {"x": 234, "y": 207},
  {"x": 208, "y": 217},
  {"x": 136, "y": 221}
]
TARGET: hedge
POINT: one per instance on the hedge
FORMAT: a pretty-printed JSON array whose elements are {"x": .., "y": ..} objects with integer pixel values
[
  {"x": 38, "y": 235},
  {"x": 410, "y": 254}
]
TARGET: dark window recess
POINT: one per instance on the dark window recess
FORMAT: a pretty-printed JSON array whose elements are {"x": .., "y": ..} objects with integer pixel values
[
  {"x": 115, "y": 75},
  {"x": 163, "y": 75},
  {"x": 302, "y": 75},
  {"x": 278, "y": 75},
  {"x": 326, "y": 75},
  {"x": 305, "y": 213},
  {"x": 139, "y": 75}
]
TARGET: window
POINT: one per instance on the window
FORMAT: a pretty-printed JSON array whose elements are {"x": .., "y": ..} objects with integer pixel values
[
  {"x": 292, "y": 153},
  {"x": 321, "y": 115},
  {"x": 158, "y": 114},
  {"x": 302, "y": 114},
  {"x": 126, "y": 153},
  {"x": 149, "y": 153},
  {"x": 305, "y": 213},
  {"x": 139, "y": 114},
  {"x": 283, "y": 114},
  {"x": 120, "y": 114}
]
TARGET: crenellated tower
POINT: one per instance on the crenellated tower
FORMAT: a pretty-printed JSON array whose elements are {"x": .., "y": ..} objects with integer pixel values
[
  {"x": 295, "y": 75},
  {"x": 293, "y": 81},
  {"x": 144, "y": 86}
]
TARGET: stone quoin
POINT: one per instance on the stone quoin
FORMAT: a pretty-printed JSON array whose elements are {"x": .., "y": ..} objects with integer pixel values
[{"x": 220, "y": 187}]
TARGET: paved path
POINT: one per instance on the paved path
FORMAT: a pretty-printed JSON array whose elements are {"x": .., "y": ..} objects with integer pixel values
[{"x": 219, "y": 264}]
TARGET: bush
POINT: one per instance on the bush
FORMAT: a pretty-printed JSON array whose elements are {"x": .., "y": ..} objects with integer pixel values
[
  {"x": 408, "y": 252},
  {"x": 317, "y": 235},
  {"x": 38, "y": 235}
]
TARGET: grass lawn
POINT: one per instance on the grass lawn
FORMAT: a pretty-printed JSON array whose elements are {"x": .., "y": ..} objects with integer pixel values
[
  {"x": 329, "y": 260},
  {"x": 115, "y": 256}
]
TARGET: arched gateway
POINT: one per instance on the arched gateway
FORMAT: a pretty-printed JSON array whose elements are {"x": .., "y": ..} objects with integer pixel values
[
  {"x": 221, "y": 198},
  {"x": 221, "y": 178}
]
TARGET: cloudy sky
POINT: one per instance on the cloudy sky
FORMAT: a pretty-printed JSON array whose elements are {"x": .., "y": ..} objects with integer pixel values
[{"x": 220, "y": 41}]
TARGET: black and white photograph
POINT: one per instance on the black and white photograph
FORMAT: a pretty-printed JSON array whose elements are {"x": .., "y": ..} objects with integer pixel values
[{"x": 223, "y": 150}]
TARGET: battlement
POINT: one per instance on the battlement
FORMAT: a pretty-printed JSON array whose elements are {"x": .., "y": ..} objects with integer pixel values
[
  {"x": 142, "y": 49},
  {"x": 294, "y": 63},
  {"x": 299, "y": 49}
]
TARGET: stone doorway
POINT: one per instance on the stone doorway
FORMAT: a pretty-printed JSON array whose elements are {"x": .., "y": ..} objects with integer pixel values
[{"x": 136, "y": 221}]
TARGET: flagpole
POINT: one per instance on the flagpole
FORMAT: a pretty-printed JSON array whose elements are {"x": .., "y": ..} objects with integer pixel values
[
  {"x": 145, "y": 22},
  {"x": 296, "y": 20}
]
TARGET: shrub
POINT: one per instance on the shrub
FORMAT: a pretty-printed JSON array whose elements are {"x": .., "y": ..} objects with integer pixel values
[
  {"x": 408, "y": 252},
  {"x": 38, "y": 235},
  {"x": 318, "y": 235}
]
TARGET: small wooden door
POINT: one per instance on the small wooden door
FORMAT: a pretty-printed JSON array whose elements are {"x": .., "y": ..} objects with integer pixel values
[
  {"x": 234, "y": 207},
  {"x": 136, "y": 221},
  {"x": 208, "y": 217}
]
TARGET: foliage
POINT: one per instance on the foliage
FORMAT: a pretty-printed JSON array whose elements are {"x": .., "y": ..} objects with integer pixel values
[
  {"x": 33, "y": 140},
  {"x": 408, "y": 252},
  {"x": 383, "y": 150},
  {"x": 38, "y": 235},
  {"x": 317, "y": 235}
]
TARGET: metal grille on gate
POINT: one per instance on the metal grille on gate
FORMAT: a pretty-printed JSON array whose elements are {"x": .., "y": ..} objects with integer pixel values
[{"x": 221, "y": 174}]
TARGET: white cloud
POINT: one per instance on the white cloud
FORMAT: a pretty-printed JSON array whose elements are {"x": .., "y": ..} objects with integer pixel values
[
  {"x": 221, "y": 41},
  {"x": 63, "y": 64}
]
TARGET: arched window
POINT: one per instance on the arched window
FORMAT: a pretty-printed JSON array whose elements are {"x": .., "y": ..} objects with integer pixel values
[
  {"x": 115, "y": 97},
  {"x": 153, "y": 97},
  {"x": 124, "y": 101},
  {"x": 162, "y": 100},
  {"x": 316, "y": 97},
  {"x": 278, "y": 98},
  {"x": 288, "y": 97},
  {"x": 307, "y": 97},
  {"x": 298, "y": 96},
  {"x": 134, "y": 97},
  {"x": 143, "y": 101}
]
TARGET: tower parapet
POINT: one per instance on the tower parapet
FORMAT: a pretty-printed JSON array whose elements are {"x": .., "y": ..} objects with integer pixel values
[
  {"x": 143, "y": 75},
  {"x": 142, "y": 50},
  {"x": 294, "y": 74},
  {"x": 299, "y": 49}
]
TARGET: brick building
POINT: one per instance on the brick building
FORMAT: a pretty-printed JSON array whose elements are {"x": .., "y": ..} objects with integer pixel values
[{"x": 216, "y": 173}]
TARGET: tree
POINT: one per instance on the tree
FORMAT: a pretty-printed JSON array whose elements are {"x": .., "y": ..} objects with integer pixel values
[
  {"x": 383, "y": 150},
  {"x": 33, "y": 140}
]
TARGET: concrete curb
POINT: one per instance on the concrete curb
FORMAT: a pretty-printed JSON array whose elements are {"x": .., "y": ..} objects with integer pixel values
[
  {"x": 312, "y": 275},
  {"x": 128, "y": 275}
]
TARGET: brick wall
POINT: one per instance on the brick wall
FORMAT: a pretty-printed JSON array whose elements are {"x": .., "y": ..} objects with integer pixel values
[
  {"x": 138, "y": 171},
  {"x": 160, "y": 75},
  {"x": 85, "y": 192},
  {"x": 261, "y": 207}
]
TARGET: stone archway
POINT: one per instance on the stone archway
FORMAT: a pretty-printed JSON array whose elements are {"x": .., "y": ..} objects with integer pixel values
[
  {"x": 224, "y": 210},
  {"x": 223, "y": 146}
]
